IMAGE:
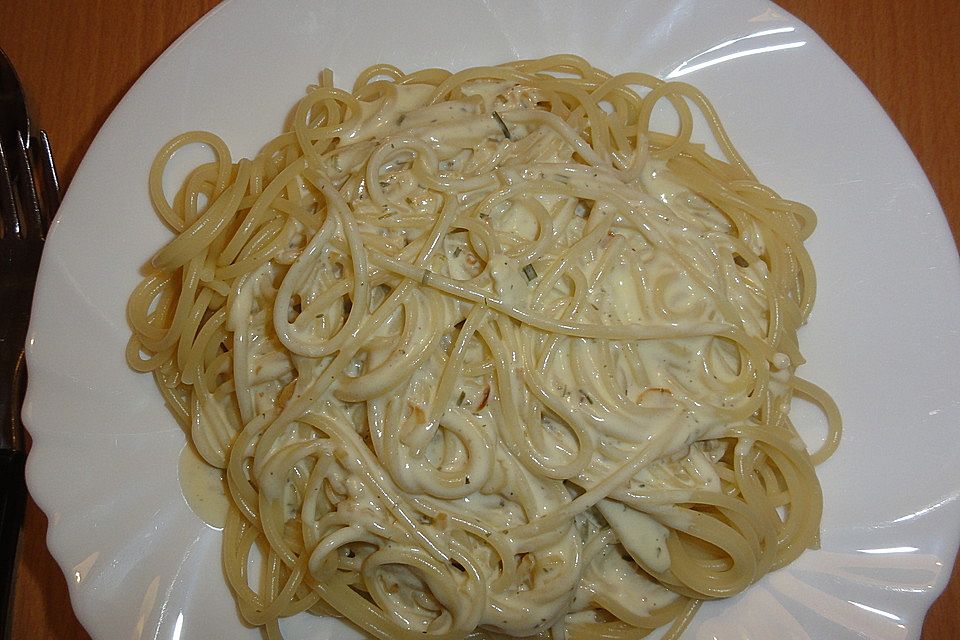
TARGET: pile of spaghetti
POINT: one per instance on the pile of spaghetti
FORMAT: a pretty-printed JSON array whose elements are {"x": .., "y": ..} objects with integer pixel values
[{"x": 484, "y": 354}]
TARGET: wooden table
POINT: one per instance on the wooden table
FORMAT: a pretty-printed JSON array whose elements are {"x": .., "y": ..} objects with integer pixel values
[{"x": 76, "y": 64}]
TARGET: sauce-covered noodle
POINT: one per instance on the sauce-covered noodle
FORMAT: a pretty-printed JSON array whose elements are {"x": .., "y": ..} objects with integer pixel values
[{"x": 483, "y": 354}]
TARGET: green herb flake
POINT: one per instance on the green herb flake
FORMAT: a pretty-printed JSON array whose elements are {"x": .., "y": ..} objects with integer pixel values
[
  {"x": 503, "y": 125},
  {"x": 530, "y": 273}
]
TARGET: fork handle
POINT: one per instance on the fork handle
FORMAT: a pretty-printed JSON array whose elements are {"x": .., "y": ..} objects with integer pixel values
[
  {"x": 13, "y": 496},
  {"x": 13, "y": 488}
]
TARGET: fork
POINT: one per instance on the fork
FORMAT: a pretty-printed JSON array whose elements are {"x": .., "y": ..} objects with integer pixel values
[{"x": 29, "y": 196}]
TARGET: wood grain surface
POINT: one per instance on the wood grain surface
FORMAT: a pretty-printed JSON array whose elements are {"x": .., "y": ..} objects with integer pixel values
[{"x": 77, "y": 60}]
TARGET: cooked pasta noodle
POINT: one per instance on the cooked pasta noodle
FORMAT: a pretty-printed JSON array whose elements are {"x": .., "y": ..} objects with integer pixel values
[{"x": 486, "y": 354}]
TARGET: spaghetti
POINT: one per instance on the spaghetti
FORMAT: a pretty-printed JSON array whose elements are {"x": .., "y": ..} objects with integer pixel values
[{"x": 486, "y": 354}]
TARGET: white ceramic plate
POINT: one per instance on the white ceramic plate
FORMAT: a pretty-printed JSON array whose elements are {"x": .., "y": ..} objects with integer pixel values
[{"x": 883, "y": 338}]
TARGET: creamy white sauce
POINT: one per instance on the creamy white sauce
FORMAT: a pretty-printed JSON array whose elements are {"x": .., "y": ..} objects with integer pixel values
[
  {"x": 204, "y": 488},
  {"x": 619, "y": 579},
  {"x": 642, "y": 536}
]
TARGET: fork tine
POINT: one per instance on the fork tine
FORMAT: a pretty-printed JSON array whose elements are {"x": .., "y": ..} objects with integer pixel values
[
  {"x": 49, "y": 183},
  {"x": 29, "y": 202},
  {"x": 9, "y": 222}
]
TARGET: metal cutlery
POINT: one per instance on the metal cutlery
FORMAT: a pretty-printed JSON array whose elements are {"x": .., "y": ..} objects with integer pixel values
[{"x": 29, "y": 197}]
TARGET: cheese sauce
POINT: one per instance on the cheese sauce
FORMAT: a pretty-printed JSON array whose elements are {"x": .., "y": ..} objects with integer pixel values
[{"x": 203, "y": 487}]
